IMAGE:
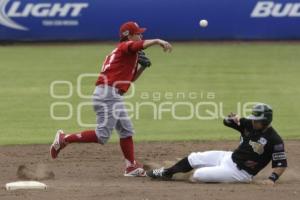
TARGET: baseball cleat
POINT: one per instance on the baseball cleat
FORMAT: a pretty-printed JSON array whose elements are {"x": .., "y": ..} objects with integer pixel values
[
  {"x": 58, "y": 144},
  {"x": 135, "y": 170},
  {"x": 159, "y": 174}
]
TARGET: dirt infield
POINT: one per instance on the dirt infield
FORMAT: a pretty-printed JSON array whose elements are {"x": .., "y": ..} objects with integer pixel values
[{"x": 95, "y": 172}]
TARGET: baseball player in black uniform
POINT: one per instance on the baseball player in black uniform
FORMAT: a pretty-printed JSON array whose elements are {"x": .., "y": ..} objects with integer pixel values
[{"x": 259, "y": 144}]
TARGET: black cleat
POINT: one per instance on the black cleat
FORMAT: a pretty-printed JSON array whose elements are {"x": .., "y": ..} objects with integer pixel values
[{"x": 159, "y": 174}]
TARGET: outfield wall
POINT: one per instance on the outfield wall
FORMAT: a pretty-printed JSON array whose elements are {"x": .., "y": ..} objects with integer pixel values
[{"x": 170, "y": 19}]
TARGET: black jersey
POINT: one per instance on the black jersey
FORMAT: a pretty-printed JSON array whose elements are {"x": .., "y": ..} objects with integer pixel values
[{"x": 257, "y": 148}]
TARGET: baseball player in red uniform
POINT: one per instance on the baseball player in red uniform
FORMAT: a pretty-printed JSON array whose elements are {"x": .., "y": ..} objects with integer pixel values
[{"x": 123, "y": 66}]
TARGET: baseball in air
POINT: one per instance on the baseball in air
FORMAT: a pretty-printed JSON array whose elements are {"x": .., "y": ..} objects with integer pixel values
[{"x": 203, "y": 23}]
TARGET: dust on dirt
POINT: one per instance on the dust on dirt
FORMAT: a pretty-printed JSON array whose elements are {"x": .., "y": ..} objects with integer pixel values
[
  {"x": 40, "y": 173},
  {"x": 85, "y": 171}
]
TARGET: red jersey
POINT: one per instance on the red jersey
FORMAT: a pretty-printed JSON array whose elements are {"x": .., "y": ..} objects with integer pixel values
[{"x": 119, "y": 68}]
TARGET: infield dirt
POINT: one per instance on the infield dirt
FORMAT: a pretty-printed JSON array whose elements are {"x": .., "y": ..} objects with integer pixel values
[{"x": 91, "y": 171}]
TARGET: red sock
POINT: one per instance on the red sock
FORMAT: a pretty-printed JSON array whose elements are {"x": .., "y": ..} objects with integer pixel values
[
  {"x": 127, "y": 148},
  {"x": 84, "y": 137}
]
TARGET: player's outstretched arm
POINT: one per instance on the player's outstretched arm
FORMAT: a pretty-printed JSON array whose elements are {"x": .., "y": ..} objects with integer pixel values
[{"x": 167, "y": 47}]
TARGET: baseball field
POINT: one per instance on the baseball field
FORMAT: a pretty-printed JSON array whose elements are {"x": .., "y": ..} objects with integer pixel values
[{"x": 45, "y": 87}]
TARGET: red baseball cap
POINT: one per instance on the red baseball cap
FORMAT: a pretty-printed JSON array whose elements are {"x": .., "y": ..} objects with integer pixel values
[{"x": 130, "y": 28}]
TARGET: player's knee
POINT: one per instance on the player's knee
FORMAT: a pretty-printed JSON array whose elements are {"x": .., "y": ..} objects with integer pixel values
[
  {"x": 192, "y": 158},
  {"x": 192, "y": 155},
  {"x": 196, "y": 177},
  {"x": 103, "y": 134},
  {"x": 201, "y": 175},
  {"x": 103, "y": 140}
]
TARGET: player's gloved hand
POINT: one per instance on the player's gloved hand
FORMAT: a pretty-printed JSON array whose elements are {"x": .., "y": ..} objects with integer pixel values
[{"x": 143, "y": 60}]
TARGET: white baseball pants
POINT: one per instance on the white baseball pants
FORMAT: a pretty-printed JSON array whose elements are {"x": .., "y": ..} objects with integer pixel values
[{"x": 216, "y": 166}]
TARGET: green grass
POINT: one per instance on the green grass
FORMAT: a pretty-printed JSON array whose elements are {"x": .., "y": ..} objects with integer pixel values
[{"x": 234, "y": 72}]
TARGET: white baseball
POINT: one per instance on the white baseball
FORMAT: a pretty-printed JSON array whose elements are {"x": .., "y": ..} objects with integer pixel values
[{"x": 203, "y": 23}]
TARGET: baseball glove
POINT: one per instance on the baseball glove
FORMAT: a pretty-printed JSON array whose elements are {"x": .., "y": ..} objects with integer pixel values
[{"x": 143, "y": 60}]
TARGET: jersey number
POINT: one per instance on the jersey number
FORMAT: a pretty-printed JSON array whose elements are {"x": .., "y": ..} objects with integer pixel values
[{"x": 108, "y": 60}]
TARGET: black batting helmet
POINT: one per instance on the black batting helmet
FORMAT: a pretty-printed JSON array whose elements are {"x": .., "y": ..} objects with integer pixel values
[{"x": 262, "y": 112}]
